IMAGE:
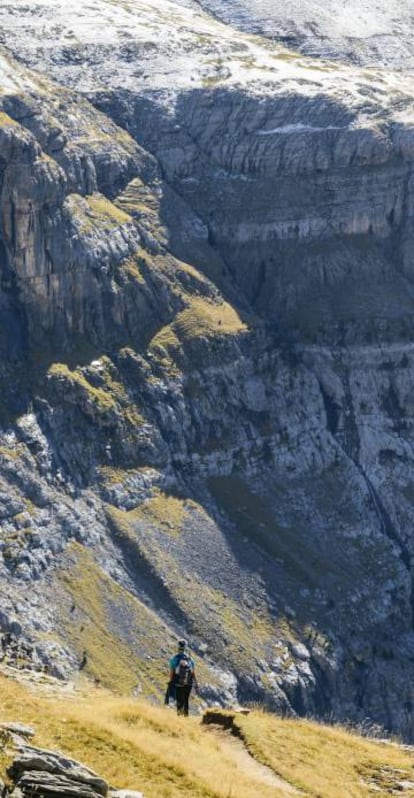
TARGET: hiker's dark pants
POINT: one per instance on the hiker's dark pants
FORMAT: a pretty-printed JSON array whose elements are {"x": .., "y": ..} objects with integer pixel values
[{"x": 182, "y": 695}]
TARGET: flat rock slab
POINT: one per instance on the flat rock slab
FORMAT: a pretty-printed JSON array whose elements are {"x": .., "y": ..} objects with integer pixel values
[
  {"x": 45, "y": 784},
  {"x": 31, "y": 759}
]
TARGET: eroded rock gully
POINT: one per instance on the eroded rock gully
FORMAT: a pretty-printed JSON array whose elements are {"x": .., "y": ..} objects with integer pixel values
[{"x": 207, "y": 363}]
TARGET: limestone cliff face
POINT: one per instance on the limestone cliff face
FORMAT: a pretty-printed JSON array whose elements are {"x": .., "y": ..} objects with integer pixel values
[
  {"x": 207, "y": 361},
  {"x": 308, "y": 203}
]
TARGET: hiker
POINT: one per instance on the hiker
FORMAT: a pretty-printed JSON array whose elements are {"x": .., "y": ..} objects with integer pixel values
[{"x": 182, "y": 678}]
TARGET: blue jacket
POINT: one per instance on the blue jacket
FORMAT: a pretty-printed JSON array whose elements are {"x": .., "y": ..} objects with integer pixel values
[{"x": 176, "y": 659}]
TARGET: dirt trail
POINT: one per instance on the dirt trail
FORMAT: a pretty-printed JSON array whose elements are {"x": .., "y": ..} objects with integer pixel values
[{"x": 235, "y": 749}]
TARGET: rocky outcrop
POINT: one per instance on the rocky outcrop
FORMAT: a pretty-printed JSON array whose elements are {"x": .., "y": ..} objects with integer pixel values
[{"x": 50, "y": 773}]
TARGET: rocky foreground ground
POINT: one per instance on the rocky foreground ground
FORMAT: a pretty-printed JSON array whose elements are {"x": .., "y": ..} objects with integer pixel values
[{"x": 49, "y": 773}]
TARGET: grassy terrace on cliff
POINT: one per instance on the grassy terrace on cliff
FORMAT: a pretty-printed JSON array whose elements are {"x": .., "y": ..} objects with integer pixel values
[
  {"x": 96, "y": 211},
  {"x": 201, "y": 317},
  {"x": 104, "y": 401},
  {"x": 137, "y": 745}
]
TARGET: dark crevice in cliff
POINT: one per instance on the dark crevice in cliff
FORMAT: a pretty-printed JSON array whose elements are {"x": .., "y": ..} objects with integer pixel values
[
  {"x": 350, "y": 432},
  {"x": 342, "y": 425},
  {"x": 351, "y": 447},
  {"x": 260, "y": 282},
  {"x": 13, "y": 324},
  {"x": 332, "y": 411},
  {"x": 387, "y": 526},
  {"x": 398, "y": 231},
  {"x": 389, "y": 530}
]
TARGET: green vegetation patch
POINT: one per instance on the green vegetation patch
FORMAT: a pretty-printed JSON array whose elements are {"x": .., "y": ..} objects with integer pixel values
[
  {"x": 6, "y": 120},
  {"x": 105, "y": 210},
  {"x": 137, "y": 198},
  {"x": 164, "y": 512},
  {"x": 201, "y": 318},
  {"x": 204, "y": 317},
  {"x": 96, "y": 212},
  {"x": 131, "y": 268},
  {"x": 107, "y": 399},
  {"x": 100, "y": 399},
  {"x": 119, "y": 476},
  {"x": 119, "y": 634},
  {"x": 11, "y": 453}
]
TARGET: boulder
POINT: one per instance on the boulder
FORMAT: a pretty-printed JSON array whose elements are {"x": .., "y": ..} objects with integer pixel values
[
  {"x": 50, "y": 774},
  {"x": 31, "y": 761},
  {"x": 49, "y": 785},
  {"x": 18, "y": 728}
]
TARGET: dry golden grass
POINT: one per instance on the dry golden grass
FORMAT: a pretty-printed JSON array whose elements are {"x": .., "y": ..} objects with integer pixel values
[
  {"x": 203, "y": 317},
  {"x": 116, "y": 630},
  {"x": 95, "y": 212},
  {"x": 136, "y": 745},
  {"x": 100, "y": 398},
  {"x": 142, "y": 746},
  {"x": 6, "y": 120},
  {"x": 324, "y": 761},
  {"x": 130, "y": 267},
  {"x": 104, "y": 209},
  {"x": 166, "y": 337},
  {"x": 164, "y": 511}
]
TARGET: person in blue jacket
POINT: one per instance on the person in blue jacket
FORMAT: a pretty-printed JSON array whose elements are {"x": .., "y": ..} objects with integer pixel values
[{"x": 182, "y": 678}]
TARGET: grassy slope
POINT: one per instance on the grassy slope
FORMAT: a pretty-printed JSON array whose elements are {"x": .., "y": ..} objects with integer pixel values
[
  {"x": 96, "y": 615},
  {"x": 327, "y": 762},
  {"x": 138, "y": 745},
  {"x": 247, "y": 634}
]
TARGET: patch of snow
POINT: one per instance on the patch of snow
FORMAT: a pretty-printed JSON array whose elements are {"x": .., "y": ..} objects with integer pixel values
[
  {"x": 297, "y": 127},
  {"x": 372, "y": 32}
]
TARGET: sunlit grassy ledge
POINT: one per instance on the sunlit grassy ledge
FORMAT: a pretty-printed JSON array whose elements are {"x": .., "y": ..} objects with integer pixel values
[{"x": 140, "y": 745}]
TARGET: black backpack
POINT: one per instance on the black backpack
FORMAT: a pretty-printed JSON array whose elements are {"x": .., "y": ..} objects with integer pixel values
[{"x": 184, "y": 672}]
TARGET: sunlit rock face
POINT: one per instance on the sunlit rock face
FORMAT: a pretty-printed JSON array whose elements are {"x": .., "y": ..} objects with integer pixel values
[
  {"x": 206, "y": 250},
  {"x": 370, "y": 33}
]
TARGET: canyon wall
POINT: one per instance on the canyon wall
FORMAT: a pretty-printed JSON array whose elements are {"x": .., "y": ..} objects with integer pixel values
[{"x": 207, "y": 361}]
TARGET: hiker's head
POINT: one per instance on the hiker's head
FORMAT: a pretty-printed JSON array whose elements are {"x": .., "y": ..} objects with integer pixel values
[{"x": 182, "y": 644}]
